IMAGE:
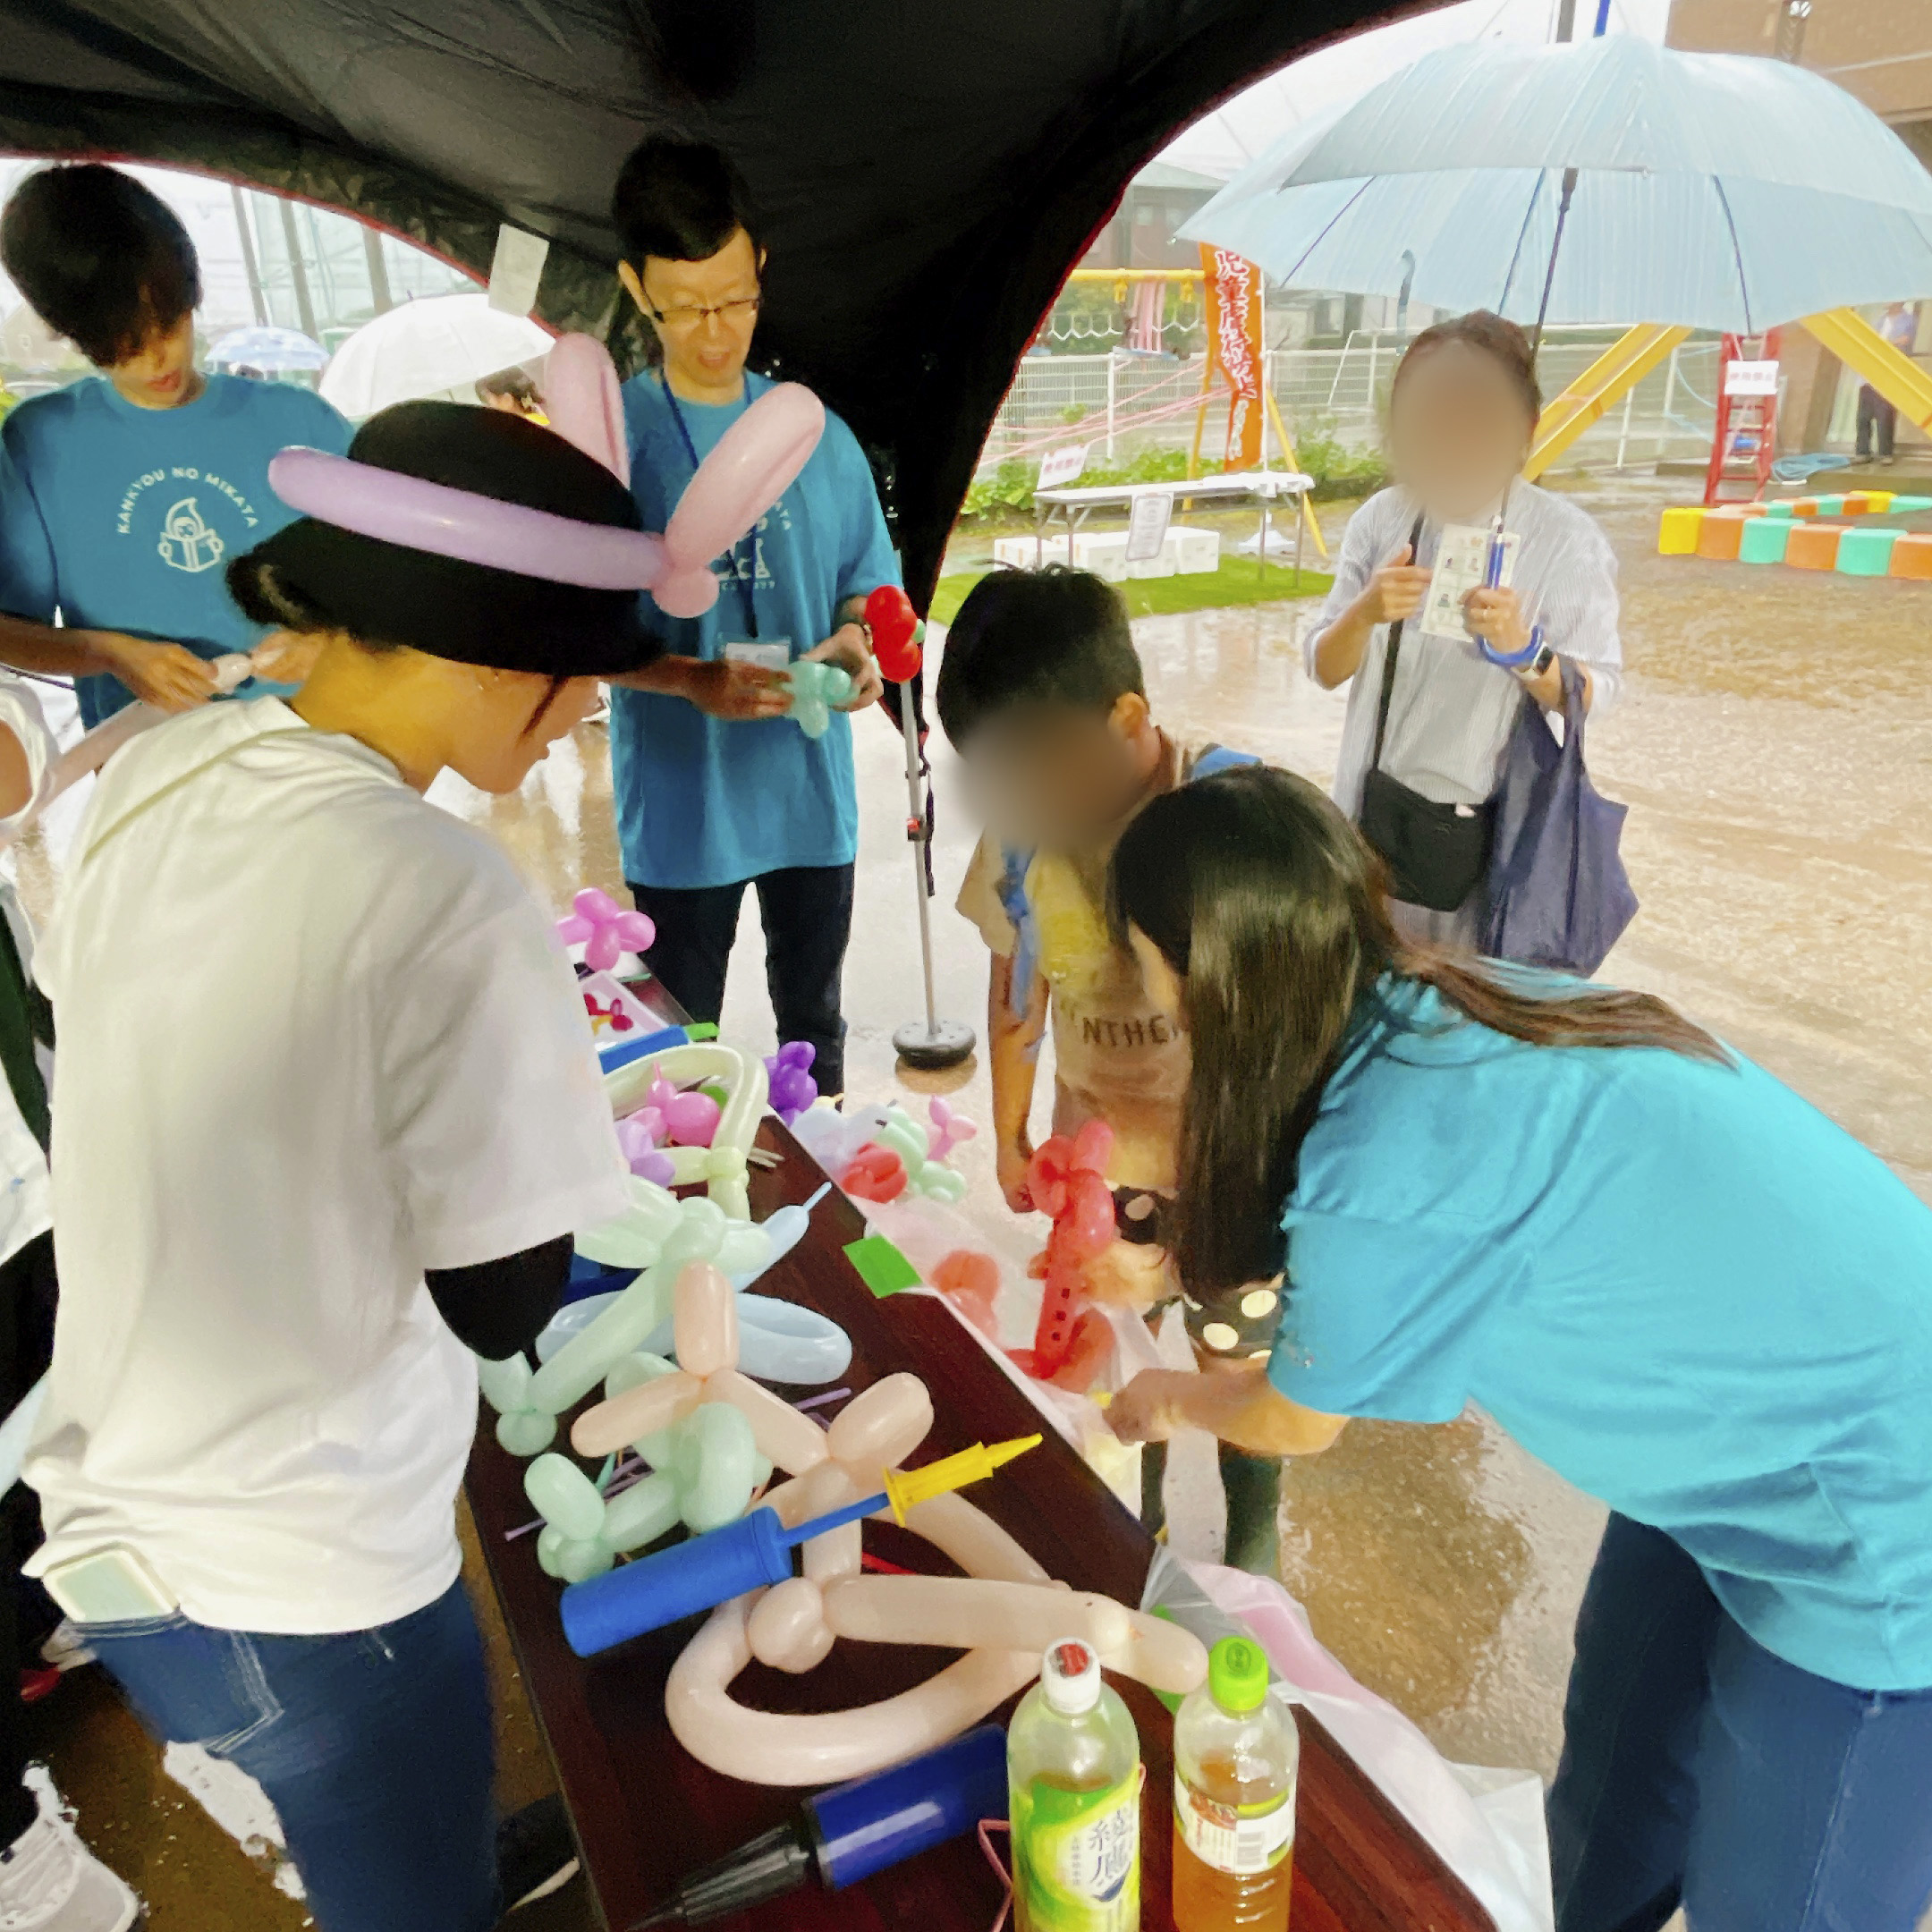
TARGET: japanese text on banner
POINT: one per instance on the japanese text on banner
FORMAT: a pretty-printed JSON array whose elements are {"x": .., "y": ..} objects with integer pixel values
[{"x": 1234, "y": 290}]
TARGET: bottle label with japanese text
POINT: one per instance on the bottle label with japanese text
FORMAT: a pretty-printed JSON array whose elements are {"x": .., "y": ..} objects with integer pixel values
[{"x": 1077, "y": 1856}]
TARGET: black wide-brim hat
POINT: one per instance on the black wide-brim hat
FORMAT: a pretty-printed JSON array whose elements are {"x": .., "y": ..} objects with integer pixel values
[{"x": 315, "y": 575}]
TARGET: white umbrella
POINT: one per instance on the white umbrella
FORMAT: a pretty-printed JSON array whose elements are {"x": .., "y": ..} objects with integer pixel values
[{"x": 427, "y": 348}]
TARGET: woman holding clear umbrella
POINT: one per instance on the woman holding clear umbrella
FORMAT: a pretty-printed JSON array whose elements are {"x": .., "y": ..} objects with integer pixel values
[{"x": 1431, "y": 708}]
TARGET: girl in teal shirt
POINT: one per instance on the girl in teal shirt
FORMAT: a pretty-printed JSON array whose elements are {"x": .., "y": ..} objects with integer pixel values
[{"x": 1664, "y": 1272}]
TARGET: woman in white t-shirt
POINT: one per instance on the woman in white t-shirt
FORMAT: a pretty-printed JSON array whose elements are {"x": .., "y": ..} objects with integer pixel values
[{"x": 325, "y": 1117}]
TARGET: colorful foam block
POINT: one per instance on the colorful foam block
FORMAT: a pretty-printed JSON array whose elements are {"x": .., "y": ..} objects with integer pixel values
[
  {"x": 1805, "y": 506},
  {"x": 1762, "y": 540},
  {"x": 1814, "y": 546},
  {"x": 1911, "y": 555},
  {"x": 1719, "y": 534},
  {"x": 1830, "y": 507},
  {"x": 1677, "y": 534},
  {"x": 1866, "y": 553},
  {"x": 1908, "y": 506},
  {"x": 1778, "y": 509}
]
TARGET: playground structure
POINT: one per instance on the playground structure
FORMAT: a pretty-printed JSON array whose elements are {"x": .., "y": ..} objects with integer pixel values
[
  {"x": 1127, "y": 283},
  {"x": 1805, "y": 532},
  {"x": 1627, "y": 361}
]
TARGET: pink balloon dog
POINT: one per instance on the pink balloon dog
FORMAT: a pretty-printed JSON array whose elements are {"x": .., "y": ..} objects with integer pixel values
[
  {"x": 689, "y": 1119},
  {"x": 605, "y": 928},
  {"x": 948, "y": 1129}
]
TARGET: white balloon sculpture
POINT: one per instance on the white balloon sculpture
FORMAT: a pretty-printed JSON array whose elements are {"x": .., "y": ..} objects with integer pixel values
[
  {"x": 723, "y": 1164},
  {"x": 1004, "y": 1613}
]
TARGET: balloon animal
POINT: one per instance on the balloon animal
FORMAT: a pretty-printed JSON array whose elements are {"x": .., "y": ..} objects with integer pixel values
[
  {"x": 788, "y": 1073},
  {"x": 926, "y": 1173},
  {"x": 704, "y": 1471},
  {"x": 657, "y": 1236},
  {"x": 722, "y": 1163},
  {"x": 606, "y": 929},
  {"x": 1067, "y": 1179},
  {"x": 818, "y": 690},
  {"x": 1003, "y": 1613},
  {"x": 750, "y": 469}
]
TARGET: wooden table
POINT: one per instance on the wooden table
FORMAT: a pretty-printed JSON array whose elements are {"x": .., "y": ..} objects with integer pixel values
[{"x": 646, "y": 1813}]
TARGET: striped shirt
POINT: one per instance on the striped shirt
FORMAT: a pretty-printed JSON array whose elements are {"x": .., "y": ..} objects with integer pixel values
[{"x": 1450, "y": 718}]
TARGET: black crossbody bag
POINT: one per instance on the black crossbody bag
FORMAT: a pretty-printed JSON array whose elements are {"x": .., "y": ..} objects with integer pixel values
[{"x": 1436, "y": 855}]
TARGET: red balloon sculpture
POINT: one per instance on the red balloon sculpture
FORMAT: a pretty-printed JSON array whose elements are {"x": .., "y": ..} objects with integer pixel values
[
  {"x": 894, "y": 627},
  {"x": 1067, "y": 1179}
]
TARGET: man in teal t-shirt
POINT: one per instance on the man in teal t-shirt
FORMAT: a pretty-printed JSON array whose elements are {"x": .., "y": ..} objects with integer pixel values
[
  {"x": 716, "y": 787},
  {"x": 124, "y": 497}
]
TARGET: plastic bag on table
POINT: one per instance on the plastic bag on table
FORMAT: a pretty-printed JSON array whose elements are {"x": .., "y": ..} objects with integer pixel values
[{"x": 1485, "y": 1824}]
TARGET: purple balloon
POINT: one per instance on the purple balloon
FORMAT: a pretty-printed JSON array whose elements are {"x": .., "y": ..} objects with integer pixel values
[
  {"x": 595, "y": 905},
  {"x": 793, "y": 1089},
  {"x": 421, "y": 516}
]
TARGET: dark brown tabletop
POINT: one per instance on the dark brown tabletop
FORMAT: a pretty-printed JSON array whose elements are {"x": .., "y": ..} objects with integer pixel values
[{"x": 646, "y": 1813}]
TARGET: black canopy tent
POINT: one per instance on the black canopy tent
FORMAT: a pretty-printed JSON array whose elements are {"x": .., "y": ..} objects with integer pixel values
[{"x": 928, "y": 169}]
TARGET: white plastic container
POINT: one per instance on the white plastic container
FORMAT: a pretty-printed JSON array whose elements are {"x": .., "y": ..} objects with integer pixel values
[
  {"x": 1073, "y": 1778},
  {"x": 1103, "y": 553},
  {"x": 1196, "y": 551},
  {"x": 1026, "y": 553}
]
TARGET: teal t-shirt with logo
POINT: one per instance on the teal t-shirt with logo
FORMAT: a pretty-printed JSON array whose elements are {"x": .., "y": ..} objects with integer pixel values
[
  {"x": 1678, "y": 1283},
  {"x": 708, "y": 801},
  {"x": 125, "y": 519}
]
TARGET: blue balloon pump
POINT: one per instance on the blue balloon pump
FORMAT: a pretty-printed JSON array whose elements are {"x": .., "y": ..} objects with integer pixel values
[
  {"x": 847, "y": 1833},
  {"x": 699, "y": 1574}
]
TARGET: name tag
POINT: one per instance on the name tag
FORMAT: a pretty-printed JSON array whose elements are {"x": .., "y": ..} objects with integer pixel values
[{"x": 770, "y": 655}]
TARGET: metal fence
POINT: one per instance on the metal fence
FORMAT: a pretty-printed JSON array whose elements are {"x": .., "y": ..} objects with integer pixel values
[{"x": 1122, "y": 404}]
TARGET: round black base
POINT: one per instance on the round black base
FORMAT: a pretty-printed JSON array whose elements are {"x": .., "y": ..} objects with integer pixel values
[{"x": 946, "y": 1044}]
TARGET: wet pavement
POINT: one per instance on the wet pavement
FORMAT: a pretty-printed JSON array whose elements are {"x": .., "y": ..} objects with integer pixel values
[{"x": 1774, "y": 746}]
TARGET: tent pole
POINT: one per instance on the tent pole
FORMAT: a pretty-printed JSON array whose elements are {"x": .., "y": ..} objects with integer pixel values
[{"x": 938, "y": 1043}]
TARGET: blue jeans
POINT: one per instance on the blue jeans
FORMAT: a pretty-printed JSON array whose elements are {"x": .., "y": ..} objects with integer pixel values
[
  {"x": 374, "y": 1745},
  {"x": 1698, "y": 1768}
]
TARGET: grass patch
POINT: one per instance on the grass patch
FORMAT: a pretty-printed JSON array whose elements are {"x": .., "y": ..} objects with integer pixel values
[{"x": 1238, "y": 581}]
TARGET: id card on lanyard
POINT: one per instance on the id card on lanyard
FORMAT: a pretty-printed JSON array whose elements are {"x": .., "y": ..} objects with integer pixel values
[{"x": 770, "y": 654}]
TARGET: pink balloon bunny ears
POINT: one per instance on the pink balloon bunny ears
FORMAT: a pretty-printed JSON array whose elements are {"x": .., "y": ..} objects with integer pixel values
[{"x": 749, "y": 470}]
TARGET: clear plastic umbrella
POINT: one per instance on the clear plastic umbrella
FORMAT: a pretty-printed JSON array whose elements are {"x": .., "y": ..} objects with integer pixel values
[
  {"x": 261, "y": 347},
  {"x": 427, "y": 348},
  {"x": 1715, "y": 191}
]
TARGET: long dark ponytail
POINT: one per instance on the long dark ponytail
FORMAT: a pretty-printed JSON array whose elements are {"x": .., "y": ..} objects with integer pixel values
[{"x": 1272, "y": 909}]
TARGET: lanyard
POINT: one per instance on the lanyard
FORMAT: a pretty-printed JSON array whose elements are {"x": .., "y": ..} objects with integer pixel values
[{"x": 744, "y": 576}]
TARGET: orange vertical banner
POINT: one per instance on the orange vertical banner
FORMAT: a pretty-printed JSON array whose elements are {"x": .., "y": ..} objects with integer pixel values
[{"x": 1234, "y": 304}]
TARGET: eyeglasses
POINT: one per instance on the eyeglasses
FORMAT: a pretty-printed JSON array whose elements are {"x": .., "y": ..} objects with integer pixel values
[{"x": 689, "y": 317}]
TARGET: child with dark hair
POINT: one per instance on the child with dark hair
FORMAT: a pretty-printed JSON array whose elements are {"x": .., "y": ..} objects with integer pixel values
[
  {"x": 124, "y": 496},
  {"x": 716, "y": 789},
  {"x": 512, "y": 390},
  {"x": 1040, "y": 692}
]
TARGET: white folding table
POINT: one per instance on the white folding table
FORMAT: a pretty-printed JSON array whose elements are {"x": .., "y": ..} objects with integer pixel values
[{"x": 1077, "y": 503}]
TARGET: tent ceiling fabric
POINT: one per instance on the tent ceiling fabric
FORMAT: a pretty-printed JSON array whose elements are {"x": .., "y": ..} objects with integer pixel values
[{"x": 928, "y": 169}]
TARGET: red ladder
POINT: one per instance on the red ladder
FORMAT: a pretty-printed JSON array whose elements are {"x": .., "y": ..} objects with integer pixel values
[{"x": 1745, "y": 440}]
